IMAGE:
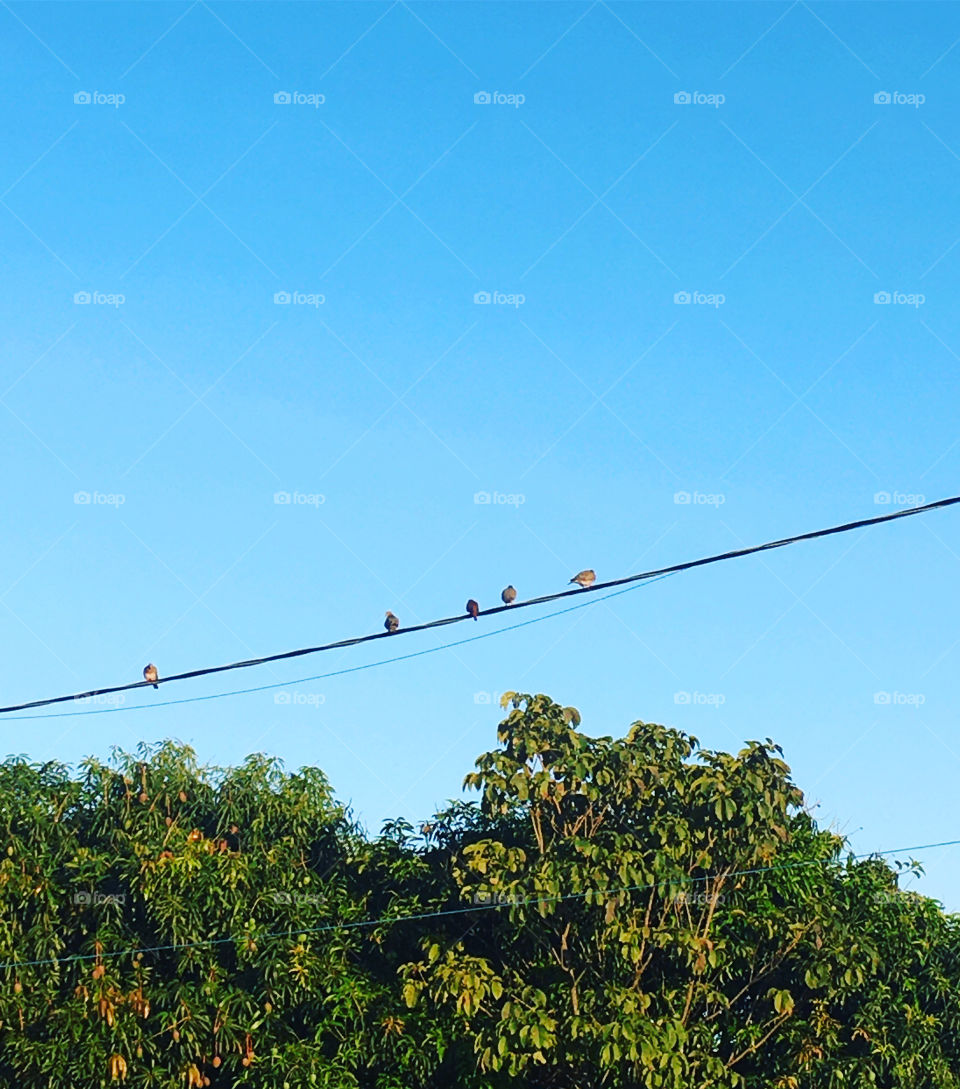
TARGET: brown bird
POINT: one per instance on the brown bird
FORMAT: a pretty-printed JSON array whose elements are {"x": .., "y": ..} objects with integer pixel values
[
  {"x": 391, "y": 623},
  {"x": 509, "y": 596},
  {"x": 150, "y": 673},
  {"x": 473, "y": 608},
  {"x": 585, "y": 578}
]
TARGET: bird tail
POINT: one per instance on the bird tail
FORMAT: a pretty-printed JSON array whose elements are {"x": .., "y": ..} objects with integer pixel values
[{"x": 156, "y": 686}]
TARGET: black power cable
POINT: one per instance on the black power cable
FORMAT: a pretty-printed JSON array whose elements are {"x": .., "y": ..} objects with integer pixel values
[{"x": 813, "y": 535}]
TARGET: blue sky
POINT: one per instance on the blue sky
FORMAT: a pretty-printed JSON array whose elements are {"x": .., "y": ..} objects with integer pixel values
[{"x": 621, "y": 156}]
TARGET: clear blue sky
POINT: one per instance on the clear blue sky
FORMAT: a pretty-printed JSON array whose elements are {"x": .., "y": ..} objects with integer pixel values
[{"x": 595, "y": 399}]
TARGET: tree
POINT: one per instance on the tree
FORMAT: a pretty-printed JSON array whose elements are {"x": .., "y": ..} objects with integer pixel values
[
  {"x": 612, "y": 913},
  {"x": 666, "y": 916}
]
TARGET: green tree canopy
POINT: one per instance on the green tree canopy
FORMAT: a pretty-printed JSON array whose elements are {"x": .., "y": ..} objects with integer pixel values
[{"x": 625, "y": 913}]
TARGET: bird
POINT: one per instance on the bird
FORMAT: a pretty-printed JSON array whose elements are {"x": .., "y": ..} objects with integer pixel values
[
  {"x": 391, "y": 623},
  {"x": 509, "y": 596},
  {"x": 585, "y": 578},
  {"x": 473, "y": 608},
  {"x": 150, "y": 674}
]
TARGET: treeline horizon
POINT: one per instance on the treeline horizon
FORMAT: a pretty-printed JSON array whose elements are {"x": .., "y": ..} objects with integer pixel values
[{"x": 615, "y": 913}]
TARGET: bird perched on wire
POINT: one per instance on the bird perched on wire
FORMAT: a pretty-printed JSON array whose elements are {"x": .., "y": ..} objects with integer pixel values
[
  {"x": 391, "y": 623},
  {"x": 150, "y": 674},
  {"x": 473, "y": 608},
  {"x": 585, "y": 578},
  {"x": 509, "y": 596}
]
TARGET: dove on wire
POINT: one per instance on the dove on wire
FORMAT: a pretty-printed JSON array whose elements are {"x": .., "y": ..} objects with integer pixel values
[
  {"x": 509, "y": 596},
  {"x": 473, "y": 608},
  {"x": 150, "y": 673},
  {"x": 585, "y": 578},
  {"x": 391, "y": 623}
]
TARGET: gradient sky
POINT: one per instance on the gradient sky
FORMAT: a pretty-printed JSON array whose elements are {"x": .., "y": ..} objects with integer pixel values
[{"x": 782, "y": 198}]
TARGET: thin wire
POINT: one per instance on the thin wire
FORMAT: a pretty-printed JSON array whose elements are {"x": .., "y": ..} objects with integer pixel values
[
  {"x": 340, "y": 672},
  {"x": 248, "y": 663},
  {"x": 385, "y": 920}
]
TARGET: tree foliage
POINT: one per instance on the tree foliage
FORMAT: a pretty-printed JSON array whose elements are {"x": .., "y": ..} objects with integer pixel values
[{"x": 624, "y": 913}]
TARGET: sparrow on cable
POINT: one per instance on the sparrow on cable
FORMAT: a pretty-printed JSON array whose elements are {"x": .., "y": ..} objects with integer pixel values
[
  {"x": 585, "y": 578},
  {"x": 150, "y": 673},
  {"x": 509, "y": 596},
  {"x": 391, "y": 623},
  {"x": 473, "y": 608}
]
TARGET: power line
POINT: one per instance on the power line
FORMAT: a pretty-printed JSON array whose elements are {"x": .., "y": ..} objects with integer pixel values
[
  {"x": 688, "y": 565},
  {"x": 385, "y": 920},
  {"x": 339, "y": 672}
]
